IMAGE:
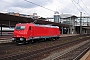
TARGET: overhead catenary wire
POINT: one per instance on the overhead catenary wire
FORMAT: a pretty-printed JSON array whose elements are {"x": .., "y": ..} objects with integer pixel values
[
  {"x": 39, "y": 5},
  {"x": 84, "y": 5},
  {"x": 9, "y": 4},
  {"x": 60, "y": 6},
  {"x": 80, "y": 7},
  {"x": 76, "y": 6}
]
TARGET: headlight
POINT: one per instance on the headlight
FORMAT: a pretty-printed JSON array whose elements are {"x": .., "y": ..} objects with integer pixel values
[
  {"x": 13, "y": 39},
  {"x": 21, "y": 39}
]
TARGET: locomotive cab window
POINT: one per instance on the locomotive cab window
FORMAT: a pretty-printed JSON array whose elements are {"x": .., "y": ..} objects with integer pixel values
[
  {"x": 29, "y": 27},
  {"x": 20, "y": 28}
]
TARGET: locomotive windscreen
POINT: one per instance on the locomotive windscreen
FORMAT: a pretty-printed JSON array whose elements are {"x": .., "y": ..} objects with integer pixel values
[{"x": 19, "y": 27}]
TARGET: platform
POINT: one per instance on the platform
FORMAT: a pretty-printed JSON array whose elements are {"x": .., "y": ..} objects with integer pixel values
[
  {"x": 6, "y": 39},
  {"x": 66, "y": 35},
  {"x": 86, "y": 56}
]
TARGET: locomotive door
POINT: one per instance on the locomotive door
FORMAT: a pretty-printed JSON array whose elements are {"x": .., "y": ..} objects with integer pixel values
[{"x": 30, "y": 31}]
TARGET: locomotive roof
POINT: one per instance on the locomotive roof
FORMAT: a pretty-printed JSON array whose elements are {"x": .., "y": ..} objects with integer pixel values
[
  {"x": 39, "y": 25},
  {"x": 46, "y": 26}
]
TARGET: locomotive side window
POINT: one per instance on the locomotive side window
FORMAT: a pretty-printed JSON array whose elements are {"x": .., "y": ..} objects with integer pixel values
[{"x": 29, "y": 27}]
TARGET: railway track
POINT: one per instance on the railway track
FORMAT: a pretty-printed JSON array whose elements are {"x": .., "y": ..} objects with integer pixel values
[
  {"x": 40, "y": 53},
  {"x": 8, "y": 46},
  {"x": 74, "y": 54}
]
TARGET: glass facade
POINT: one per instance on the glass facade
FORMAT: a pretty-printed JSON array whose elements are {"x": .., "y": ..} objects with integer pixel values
[
  {"x": 85, "y": 22},
  {"x": 56, "y": 18}
]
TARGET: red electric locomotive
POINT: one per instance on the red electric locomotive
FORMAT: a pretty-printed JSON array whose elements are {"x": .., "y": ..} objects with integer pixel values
[{"x": 28, "y": 32}]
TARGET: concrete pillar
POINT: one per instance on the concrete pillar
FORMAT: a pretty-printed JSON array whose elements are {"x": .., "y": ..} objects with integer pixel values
[
  {"x": 72, "y": 28},
  {"x": 9, "y": 24},
  {"x": 62, "y": 30},
  {"x": 68, "y": 31},
  {"x": 86, "y": 31},
  {"x": 1, "y": 29}
]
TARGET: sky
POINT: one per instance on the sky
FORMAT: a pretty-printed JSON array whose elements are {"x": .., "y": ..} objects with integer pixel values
[{"x": 46, "y": 8}]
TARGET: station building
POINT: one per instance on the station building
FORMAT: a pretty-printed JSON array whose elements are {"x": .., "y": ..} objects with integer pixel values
[
  {"x": 74, "y": 22},
  {"x": 61, "y": 20}
]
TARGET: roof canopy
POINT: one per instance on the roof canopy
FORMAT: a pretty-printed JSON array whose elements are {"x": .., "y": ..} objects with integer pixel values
[
  {"x": 66, "y": 16},
  {"x": 12, "y": 20}
]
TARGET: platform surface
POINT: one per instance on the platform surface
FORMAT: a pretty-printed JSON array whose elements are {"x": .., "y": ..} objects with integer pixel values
[
  {"x": 66, "y": 35},
  {"x": 6, "y": 39},
  {"x": 86, "y": 56}
]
